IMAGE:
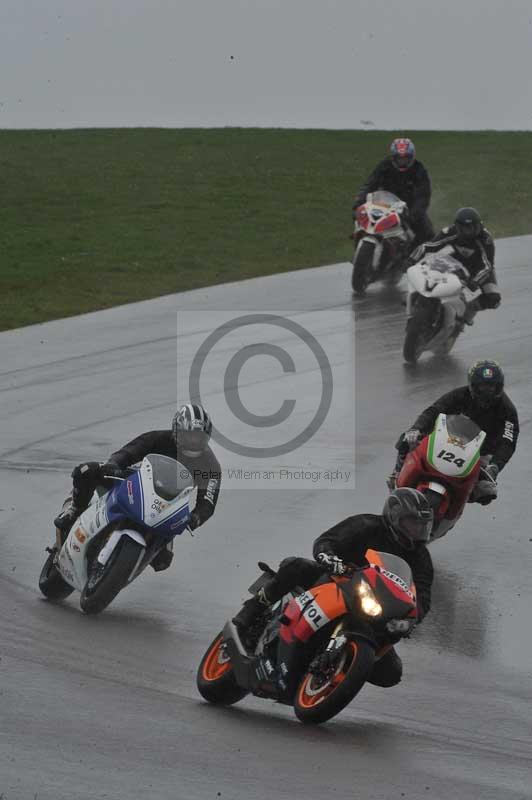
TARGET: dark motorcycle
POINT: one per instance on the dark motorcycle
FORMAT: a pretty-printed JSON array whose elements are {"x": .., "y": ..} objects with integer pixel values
[{"x": 314, "y": 649}]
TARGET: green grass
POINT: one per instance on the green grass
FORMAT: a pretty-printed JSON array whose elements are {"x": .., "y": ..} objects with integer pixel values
[{"x": 94, "y": 218}]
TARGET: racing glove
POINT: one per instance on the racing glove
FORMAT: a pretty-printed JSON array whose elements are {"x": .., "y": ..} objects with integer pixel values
[
  {"x": 90, "y": 470},
  {"x": 491, "y": 470},
  {"x": 486, "y": 489},
  {"x": 194, "y": 521},
  {"x": 412, "y": 437},
  {"x": 400, "y": 627},
  {"x": 490, "y": 300},
  {"x": 333, "y": 564},
  {"x": 110, "y": 470}
]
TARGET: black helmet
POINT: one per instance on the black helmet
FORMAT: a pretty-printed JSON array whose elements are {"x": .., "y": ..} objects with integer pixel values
[
  {"x": 486, "y": 382},
  {"x": 468, "y": 223},
  {"x": 408, "y": 517},
  {"x": 191, "y": 429}
]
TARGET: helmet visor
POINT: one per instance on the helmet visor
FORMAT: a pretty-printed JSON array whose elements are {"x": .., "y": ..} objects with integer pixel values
[
  {"x": 417, "y": 529},
  {"x": 486, "y": 393},
  {"x": 402, "y": 162},
  {"x": 468, "y": 230},
  {"x": 193, "y": 441}
]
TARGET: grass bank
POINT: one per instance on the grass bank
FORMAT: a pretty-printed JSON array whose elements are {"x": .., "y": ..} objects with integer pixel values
[{"x": 94, "y": 218}]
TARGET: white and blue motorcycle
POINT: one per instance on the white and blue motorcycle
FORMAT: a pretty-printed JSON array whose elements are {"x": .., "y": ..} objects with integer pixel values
[{"x": 120, "y": 533}]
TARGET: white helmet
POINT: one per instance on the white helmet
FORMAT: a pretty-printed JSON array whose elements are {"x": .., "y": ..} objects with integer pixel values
[{"x": 191, "y": 429}]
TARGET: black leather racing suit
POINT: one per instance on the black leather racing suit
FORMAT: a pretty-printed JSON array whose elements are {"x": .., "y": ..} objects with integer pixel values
[
  {"x": 205, "y": 470},
  {"x": 349, "y": 540},
  {"x": 477, "y": 256},
  {"x": 412, "y": 186}
]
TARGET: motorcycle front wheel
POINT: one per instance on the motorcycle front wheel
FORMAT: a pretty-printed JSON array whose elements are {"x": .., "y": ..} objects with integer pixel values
[
  {"x": 102, "y": 588},
  {"x": 318, "y": 699},
  {"x": 362, "y": 267},
  {"x": 51, "y": 583},
  {"x": 421, "y": 327},
  {"x": 215, "y": 677},
  {"x": 414, "y": 340}
]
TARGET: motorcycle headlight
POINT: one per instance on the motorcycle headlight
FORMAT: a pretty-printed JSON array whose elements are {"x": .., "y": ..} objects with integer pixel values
[{"x": 368, "y": 602}]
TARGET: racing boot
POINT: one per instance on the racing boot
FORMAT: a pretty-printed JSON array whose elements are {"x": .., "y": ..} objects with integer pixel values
[
  {"x": 164, "y": 558},
  {"x": 252, "y": 608},
  {"x": 469, "y": 314},
  {"x": 64, "y": 521},
  {"x": 391, "y": 480}
]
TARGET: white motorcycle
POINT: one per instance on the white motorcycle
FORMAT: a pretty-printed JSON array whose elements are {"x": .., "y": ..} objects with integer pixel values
[
  {"x": 435, "y": 306},
  {"x": 382, "y": 238},
  {"x": 120, "y": 533}
]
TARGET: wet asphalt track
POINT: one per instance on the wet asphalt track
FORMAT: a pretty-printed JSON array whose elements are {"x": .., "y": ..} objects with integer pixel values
[{"x": 107, "y": 707}]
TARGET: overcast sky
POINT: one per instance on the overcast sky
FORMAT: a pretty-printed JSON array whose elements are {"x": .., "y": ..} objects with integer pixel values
[{"x": 293, "y": 63}]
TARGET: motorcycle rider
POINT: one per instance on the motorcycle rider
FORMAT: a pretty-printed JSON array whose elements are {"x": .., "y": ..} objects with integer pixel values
[
  {"x": 484, "y": 401},
  {"x": 187, "y": 441},
  {"x": 402, "y": 529},
  {"x": 406, "y": 177},
  {"x": 473, "y": 246}
]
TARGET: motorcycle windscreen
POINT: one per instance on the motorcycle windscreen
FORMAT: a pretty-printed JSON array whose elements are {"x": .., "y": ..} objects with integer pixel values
[
  {"x": 444, "y": 262},
  {"x": 454, "y": 445},
  {"x": 462, "y": 428},
  {"x": 384, "y": 199},
  {"x": 169, "y": 476},
  {"x": 399, "y": 595},
  {"x": 391, "y": 563}
]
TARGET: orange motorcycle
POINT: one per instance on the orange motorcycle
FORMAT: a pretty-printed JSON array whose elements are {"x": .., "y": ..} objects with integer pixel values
[{"x": 314, "y": 649}]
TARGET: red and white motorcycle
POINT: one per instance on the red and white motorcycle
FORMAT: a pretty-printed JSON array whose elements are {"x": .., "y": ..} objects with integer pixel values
[
  {"x": 383, "y": 240},
  {"x": 435, "y": 305},
  {"x": 446, "y": 466}
]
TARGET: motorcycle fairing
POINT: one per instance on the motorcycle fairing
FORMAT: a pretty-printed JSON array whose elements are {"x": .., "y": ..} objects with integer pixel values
[
  {"x": 380, "y": 215},
  {"x": 137, "y": 498},
  {"x": 310, "y": 611},
  {"x": 396, "y": 574},
  {"x": 417, "y": 472},
  {"x": 452, "y": 455},
  {"x": 275, "y": 673},
  {"x": 72, "y": 559},
  {"x": 430, "y": 282},
  {"x": 390, "y": 221}
]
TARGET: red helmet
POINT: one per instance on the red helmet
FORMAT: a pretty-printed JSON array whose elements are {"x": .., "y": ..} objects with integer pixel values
[{"x": 403, "y": 154}]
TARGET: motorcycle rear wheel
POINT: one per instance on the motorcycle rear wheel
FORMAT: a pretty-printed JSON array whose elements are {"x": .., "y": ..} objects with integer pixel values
[
  {"x": 115, "y": 575},
  {"x": 215, "y": 677},
  {"x": 316, "y": 701},
  {"x": 362, "y": 267},
  {"x": 51, "y": 582}
]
